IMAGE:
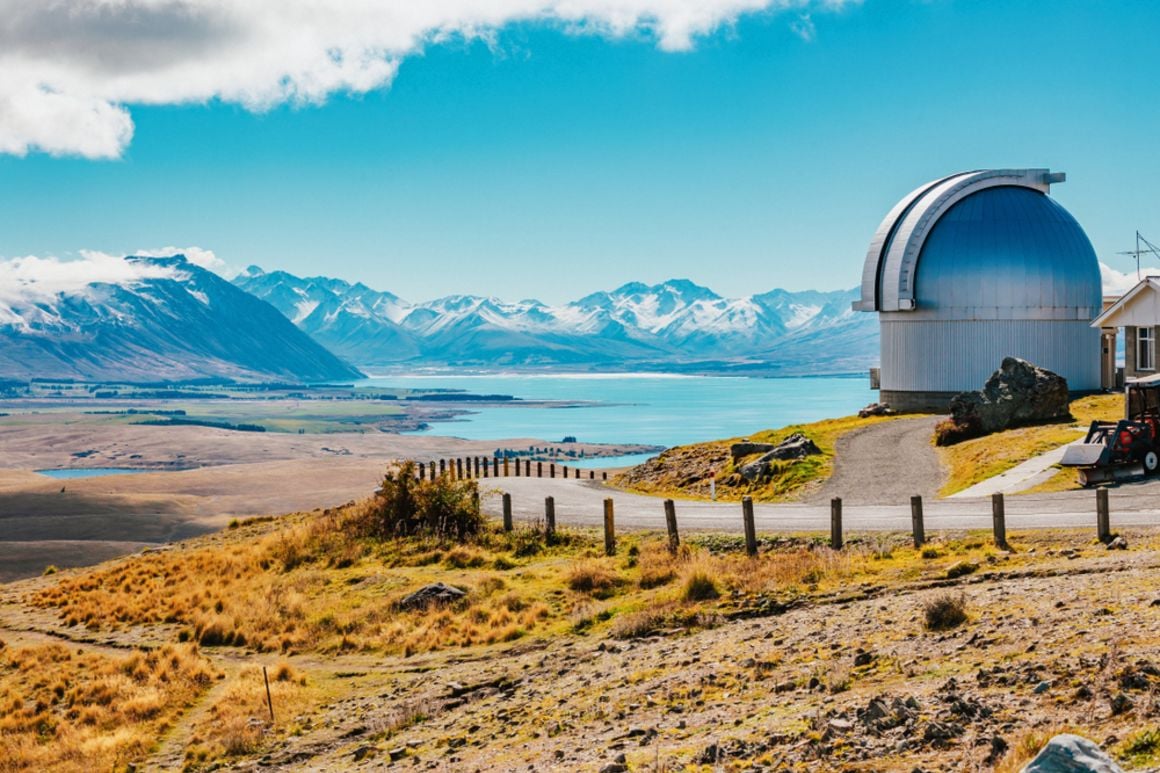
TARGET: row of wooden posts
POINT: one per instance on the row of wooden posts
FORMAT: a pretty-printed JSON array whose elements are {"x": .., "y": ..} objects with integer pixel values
[
  {"x": 998, "y": 518},
  {"x": 482, "y": 467}
]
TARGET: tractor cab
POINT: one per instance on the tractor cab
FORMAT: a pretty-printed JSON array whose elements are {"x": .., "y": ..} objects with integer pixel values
[{"x": 1126, "y": 448}]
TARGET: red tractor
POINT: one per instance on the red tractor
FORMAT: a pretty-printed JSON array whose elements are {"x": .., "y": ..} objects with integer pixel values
[{"x": 1124, "y": 449}]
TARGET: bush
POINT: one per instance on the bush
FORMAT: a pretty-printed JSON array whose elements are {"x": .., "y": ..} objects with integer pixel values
[
  {"x": 443, "y": 508},
  {"x": 946, "y": 611}
]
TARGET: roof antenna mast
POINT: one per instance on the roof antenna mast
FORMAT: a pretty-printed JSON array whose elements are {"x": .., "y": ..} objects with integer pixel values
[{"x": 1142, "y": 246}]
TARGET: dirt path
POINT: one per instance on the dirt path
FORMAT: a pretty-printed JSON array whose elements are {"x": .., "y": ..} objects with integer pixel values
[{"x": 885, "y": 464}]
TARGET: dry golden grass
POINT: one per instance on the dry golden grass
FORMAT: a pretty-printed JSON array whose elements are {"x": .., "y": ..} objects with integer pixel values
[
  {"x": 64, "y": 709},
  {"x": 976, "y": 460},
  {"x": 239, "y": 723},
  {"x": 684, "y": 471}
]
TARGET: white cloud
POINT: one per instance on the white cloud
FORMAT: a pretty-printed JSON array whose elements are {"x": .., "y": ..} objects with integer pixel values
[
  {"x": 195, "y": 255},
  {"x": 70, "y": 67},
  {"x": 804, "y": 28},
  {"x": 1116, "y": 282}
]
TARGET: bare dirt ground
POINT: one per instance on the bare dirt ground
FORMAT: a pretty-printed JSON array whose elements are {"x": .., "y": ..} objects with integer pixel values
[
  {"x": 847, "y": 681},
  {"x": 885, "y": 464}
]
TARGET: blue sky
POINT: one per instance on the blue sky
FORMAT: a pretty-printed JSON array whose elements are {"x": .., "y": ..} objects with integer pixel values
[{"x": 543, "y": 163}]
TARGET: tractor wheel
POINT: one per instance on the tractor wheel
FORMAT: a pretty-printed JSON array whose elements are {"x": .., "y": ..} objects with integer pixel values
[{"x": 1151, "y": 462}]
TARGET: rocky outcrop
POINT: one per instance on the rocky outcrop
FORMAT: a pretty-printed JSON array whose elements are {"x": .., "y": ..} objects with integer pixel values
[
  {"x": 876, "y": 409},
  {"x": 1017, "y": 394},
  {"x": 436, "y": 593},
  {"x": 1067, "y": 753},
  {"x": 796, "y": 446}
]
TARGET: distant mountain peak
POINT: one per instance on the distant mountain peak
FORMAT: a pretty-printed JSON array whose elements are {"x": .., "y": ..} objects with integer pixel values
[{"x": 676, "y": 321}]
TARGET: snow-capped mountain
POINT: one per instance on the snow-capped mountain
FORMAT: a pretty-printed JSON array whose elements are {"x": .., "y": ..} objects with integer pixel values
[
  {"x": 146, "y": 319},
  {"x": 673, "y": 324}
]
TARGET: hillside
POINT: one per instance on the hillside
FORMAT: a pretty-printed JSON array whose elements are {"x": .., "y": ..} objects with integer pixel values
[
  {"x": 673, "y": 325},
  {"x": 960, "y": 656},
  {"x": 147, "y": 319}
]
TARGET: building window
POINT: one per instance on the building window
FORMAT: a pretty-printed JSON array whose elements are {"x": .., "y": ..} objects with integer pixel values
[{"x": 1145, "y": 348}]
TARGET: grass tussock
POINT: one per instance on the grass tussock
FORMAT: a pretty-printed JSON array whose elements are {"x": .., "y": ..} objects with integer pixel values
[
  {"x": 945, "y": 611},
  {"x": 64, "y": 709},
  {"x": 685, "y": 471}
]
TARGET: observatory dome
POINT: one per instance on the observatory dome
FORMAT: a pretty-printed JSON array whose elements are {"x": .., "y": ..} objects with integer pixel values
[{"x": 973, "y": 268}]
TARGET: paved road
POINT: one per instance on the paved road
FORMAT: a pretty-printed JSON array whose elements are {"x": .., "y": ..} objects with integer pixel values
[
  {"x": 579, "y": 503},
  {"x": 885, "y": 463}
]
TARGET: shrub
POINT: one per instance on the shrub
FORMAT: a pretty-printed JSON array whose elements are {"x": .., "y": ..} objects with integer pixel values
[
  {"x": 699, "y": 586},
  {"x": 442, "y": 508},
  {"x": 930, "y": 552},
  {"x": 950, "y": 431},
  {"x": 945, "y": 611},
  {"x": 636, "y": 625}
]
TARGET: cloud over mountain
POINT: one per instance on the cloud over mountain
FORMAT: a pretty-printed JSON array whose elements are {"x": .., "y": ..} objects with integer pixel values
[{"x": 71, "y": 67}]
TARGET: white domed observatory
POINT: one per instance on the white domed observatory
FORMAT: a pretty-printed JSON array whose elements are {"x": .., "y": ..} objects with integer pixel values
[{"x": 975, "y": 267}]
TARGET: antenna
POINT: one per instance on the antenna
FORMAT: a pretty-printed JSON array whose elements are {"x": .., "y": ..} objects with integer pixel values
[{"x": 1146, "y": 247}]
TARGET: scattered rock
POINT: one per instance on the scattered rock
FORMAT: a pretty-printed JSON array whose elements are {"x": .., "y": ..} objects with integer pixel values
[
  {"x": 796, "y": 446},
  {"x": 863, "y": 658},
  {"x": 1042, "y": 687},
  {"x": 1119, "y": 543},
  {"x": 1017, "y": 394},
  {"x": 362, "y": 752},
  {"x": 1121, "y": 704},
  {"x": 876, "y": 409},
  {"x": 1067, "y": 753},
  {"x": 436, "y": 593}
]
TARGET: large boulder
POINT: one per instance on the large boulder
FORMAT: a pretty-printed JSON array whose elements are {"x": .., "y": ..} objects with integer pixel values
[
  {"x": 1067, "y": 753},
  {"x": 1017, "y": 394},
  {"x": 796, "y": 446},
  {"x": 437, "y": 593}
]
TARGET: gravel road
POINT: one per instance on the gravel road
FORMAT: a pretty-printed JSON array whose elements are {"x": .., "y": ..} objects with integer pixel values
[{"x": 885, "y": 464}]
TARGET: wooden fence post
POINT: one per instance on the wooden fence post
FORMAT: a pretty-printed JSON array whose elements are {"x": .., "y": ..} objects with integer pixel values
[
  {"x": 604, "y": 475},
  {"x": 552, "y": 470},
  {"x": 442, "y": 466},
  {"x": 609, "y": 529},
  {"x": 507, "y": 511},
  {"x": 422, "y": 471},
  {"x": 999, "y": 519},
  {"x": 750, "y": 528},
  {"x": 269, "y": 700},
  {"x": 475, "y": 460},
  {"x": 671, "y": 523},
  {"x": 506, "y": 468},
  {"x": 592, "y": 475},
  {"x": 916, "y": 527},
  {"x": 1103, "y": 517},
  {"x": 459, "y": 469},
  {"x": 539, "y": 469},
  {"x": 836, "y": 523},
  {"x": 432, "y": 468},
  {"x": 549, "y": 518},
  {"x": 577, "y": 473}
]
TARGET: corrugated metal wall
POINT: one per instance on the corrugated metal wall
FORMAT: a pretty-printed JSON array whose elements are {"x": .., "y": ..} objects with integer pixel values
[{"x": 959, "y": 355}]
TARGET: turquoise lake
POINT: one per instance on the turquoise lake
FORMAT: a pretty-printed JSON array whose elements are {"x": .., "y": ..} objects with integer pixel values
[{"x": 656, "y": 409}]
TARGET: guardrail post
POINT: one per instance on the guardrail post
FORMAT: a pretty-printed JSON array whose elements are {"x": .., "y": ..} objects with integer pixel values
[
  {"x": 999, "y": 519},
  {"x": 836, "y": 523},
  {"x": 750, "y": 528},
  {"x": 1103, "y": 517},
  {"x": 671, "y": 523},
  {"x": 916, "y": 521},
  {"x": 609, "y": 529},
  {"x": 549, "y": 518},
  {"x": 507, "y": 511}
]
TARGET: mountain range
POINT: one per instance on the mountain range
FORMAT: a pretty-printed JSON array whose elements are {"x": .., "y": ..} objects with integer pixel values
[
  {"x": 674, "y": 325},
  {"x": 146, "y": 319}
]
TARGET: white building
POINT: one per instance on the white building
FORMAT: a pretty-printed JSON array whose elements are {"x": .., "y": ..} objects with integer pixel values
[{"x": 975, "y": 267}]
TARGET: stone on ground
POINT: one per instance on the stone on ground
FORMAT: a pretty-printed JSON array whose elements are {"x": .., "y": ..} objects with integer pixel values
[{"x": 1067, "y": 753}]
